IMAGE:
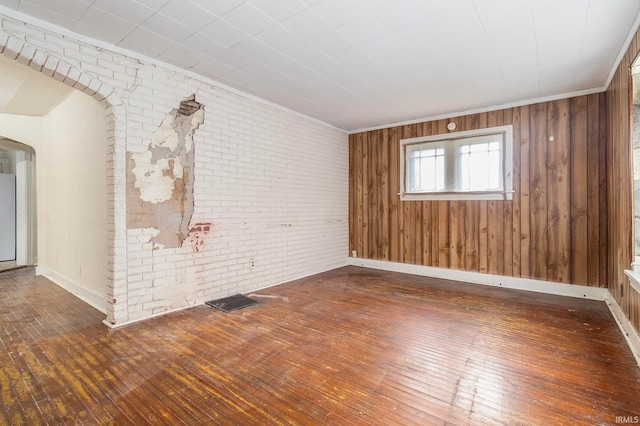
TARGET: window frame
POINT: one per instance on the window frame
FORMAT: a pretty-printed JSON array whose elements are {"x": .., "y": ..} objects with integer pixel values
[{"x": 451, "y": 142}]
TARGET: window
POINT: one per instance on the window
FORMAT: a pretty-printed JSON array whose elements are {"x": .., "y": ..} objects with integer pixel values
[{"x": 473, "y": 165}]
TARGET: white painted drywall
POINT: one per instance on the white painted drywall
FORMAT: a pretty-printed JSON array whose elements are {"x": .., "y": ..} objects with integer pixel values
[
  {"x": 21, "y": 128},
  {"x": 72, "y": 200}
]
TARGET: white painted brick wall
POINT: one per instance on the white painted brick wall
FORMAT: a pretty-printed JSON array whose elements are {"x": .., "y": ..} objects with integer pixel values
[{"x": 273, "y": 184}]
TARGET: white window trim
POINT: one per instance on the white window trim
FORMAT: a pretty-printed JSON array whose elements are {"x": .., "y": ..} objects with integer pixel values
[{"x": 506, "y": 194}]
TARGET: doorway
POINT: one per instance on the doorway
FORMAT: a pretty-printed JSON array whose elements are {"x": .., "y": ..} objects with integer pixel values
[{"x": 18, "y": 238}]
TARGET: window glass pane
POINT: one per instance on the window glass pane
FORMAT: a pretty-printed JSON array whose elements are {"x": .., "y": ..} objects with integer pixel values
[
  {"x": 465, "y": 173},
  {"x": 468, "y": 163},
  {"x": 494, "y": 170},
  {"x": 479, "y": 166},
  {"x": 426, "y": 170},
  {"x": 478, "y": 170},
  {"x": 479, "y": 147},
  {"x": 440, "y": 172}
]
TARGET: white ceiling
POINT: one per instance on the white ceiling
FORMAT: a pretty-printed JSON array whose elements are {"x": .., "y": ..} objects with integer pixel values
[{"x": 362, "y": 63}]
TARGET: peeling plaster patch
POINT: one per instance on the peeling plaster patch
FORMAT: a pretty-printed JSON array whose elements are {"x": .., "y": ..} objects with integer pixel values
[
  {"x": 160, "y": 179},
  {"x": 197, "y": 232}
]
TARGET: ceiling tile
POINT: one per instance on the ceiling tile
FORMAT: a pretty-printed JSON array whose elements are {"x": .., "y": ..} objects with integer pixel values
[
  {"x": 399, "y": 15},
  {"x": 146, "y": 42},
  {"x": 213, "y": 68},
  {"x": 97, "y": 33},
  {"x": 72, "y": 9},
  {"x": 188, "y": 14},
  {"x": 353, "y": 58},
  {"x": 125, "y": 9},
  {"x": 309, "y": 56},
  {"x": 97, "y": 21},
  {"x": 339, "y": 12},
  {"x": 218, "y": 7},
  {"x": 279, "y": 38},
  {"x": 182, "y": 56},
  {"x": 373, "y": 5},
  {"x": 306, "y": 25},
  {"x": 204, "y": 44},
  {"x": 279, "y": 10},
  {"x": 362, "y": 29},
  {"x": 152, "y": 4},
  {"x": 259, "y": 52},
  {"x": 46, "y": 15},
  {"x": 168, "y": 27},
  {"x": 224, "y": 33},
  {"x": 10, "y": 4},
  {"x": 249, "y": 19},
  {"x": 330, "y": 42},
  {"x": 234, "y": 58}
]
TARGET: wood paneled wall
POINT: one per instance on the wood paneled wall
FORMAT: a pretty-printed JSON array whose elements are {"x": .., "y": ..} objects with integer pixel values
[
  {"x": 620, "y": 185},
  {"x": 554, "y": 228}
]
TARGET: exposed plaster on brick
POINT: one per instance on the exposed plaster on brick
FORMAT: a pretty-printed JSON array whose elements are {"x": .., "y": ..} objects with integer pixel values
[{"x": 160, "y": 179}]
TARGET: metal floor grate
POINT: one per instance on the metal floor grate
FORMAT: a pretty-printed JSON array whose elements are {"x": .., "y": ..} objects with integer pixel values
[{"x": 232, "y": 303}]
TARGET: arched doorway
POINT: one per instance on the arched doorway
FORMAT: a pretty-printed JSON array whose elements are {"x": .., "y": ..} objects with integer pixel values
[
  {"x": 18, "y": 191},
  {"x": 73, "y": 134}
]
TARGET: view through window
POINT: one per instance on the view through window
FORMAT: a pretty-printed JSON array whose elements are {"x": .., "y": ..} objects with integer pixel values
[{"x": 463, "y": 165}]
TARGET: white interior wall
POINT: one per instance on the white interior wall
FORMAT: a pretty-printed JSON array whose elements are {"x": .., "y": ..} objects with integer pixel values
[{"x": 72, "y": 210}]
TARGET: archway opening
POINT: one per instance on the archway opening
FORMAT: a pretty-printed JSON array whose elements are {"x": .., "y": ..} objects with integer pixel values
[
  {"x": 70, "y": 132},
  {"x": 18, "y": 235}
]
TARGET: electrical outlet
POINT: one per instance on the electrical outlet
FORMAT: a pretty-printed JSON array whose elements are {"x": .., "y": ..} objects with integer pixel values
[
  {"x": 354, "y": 253},
  {"x": 252, "y": 263}
]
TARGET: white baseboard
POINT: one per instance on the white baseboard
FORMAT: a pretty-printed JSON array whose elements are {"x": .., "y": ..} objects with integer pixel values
[
  {"x": 159, "y": 314},
  {"x": 93, "y": 299},
  {"x": 628, "y": 331},
  {"x": 538, "y": 286},
  {"x": 593, "y": 293}
]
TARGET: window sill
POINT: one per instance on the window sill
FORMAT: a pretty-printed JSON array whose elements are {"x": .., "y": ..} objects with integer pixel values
[
  {"x": 634, "y": 279},
  {"x": 454, "y": 196}
]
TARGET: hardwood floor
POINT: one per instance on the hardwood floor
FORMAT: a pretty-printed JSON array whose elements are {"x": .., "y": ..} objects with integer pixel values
[{"x": 350, "y": 346}]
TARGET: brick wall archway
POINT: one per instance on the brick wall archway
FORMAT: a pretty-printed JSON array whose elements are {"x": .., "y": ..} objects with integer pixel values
[{"x": 56, "y": 67}]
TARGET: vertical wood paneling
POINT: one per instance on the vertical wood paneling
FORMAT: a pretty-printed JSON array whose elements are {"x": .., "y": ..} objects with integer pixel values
[
  {"x": 483, "y": 226},
  {"x": 523, "y": 191},
  {"x": 579, "y": 192},
  {"x": 516, "y": 225},
  {"x": 383, "y": 196},
  {"x": 593, "y": 191},
  {"x": 373, "y": 194},
  {"x": 604, "y": 209},
  {"x": 508, "y": 217},
  {"x": 358, "y": 220},
  {"x": 427, "y": 226},
  {"x": 558, "y": 191},
  {"x": 394, "y": 200},
  {"x": 472, "y": 224},
  {"x": 553, "y": 229},
  {"x": 538, "y": 190},
  {"x": 365, "y": 196},
  {"x": 495, "y": 258},
  {"x": 619, "y": 185}
]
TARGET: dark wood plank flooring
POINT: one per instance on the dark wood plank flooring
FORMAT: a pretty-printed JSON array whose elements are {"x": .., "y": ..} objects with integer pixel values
[{"x": 350, "y": 346}]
